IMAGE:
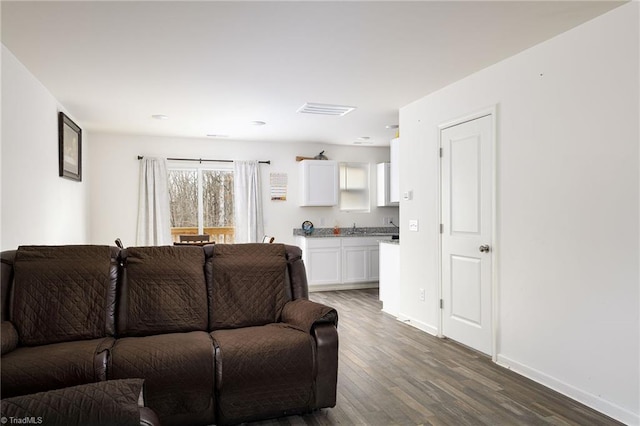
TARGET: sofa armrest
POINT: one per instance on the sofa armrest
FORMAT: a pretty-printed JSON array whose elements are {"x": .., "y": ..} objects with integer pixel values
[
  {"x": 9, "y": 337},
  {"x": 326, "y": 337},
  {"x": 321, "y": 322},
  {"x": 304, "y": 314}
]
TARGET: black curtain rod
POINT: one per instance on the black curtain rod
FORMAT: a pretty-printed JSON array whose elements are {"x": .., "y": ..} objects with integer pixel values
[{"x": 200, "y": 160}]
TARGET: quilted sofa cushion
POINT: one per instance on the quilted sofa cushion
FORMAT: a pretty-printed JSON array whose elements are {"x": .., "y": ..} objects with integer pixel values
[
  {"x": 36, "y": 369},
  {"x": 249, "y": 285},
  {"x": 106, "y": 403},
  {"x": 63, "y": 293},
  {"x": 163, "y": 290},
  {"x": 178, "y": 373},
  {"x": 263, "y": 372}
]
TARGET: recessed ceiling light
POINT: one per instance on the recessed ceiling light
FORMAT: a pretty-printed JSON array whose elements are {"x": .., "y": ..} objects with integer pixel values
[
  {"x": 391, "y": 126},
  {"x": 216, "y": 135},
  {"x": 364, "y": 138},
  {"x": 160, "y": 116},
  {"x": 258, "y": 123}
]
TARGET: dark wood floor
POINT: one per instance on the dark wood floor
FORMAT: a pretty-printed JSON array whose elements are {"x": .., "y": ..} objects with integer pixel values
[{"x": 393, "y": 374}]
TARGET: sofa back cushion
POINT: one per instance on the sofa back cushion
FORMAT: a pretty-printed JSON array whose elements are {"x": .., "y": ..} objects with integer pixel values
[
  {"x": 248, "y": 285},
  {"x": 63, "y": 293},
  {"x": 297, "y": 273},
  {"x": 163, "y": 290}
]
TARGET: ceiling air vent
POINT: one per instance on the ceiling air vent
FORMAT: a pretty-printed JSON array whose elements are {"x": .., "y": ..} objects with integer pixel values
[{"x": 325, "y": 109}]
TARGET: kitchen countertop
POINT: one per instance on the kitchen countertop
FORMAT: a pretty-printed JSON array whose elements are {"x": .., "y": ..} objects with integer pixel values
[
  {"x": 395, "y": 242},
  {"x": 384, "y": 231}
]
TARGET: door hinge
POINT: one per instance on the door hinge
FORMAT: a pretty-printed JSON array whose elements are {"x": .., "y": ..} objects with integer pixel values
[
  {"x": 440, "y": 152},
  {"x": 442, "y": 228},
  {"x": 441, "y": 304}
]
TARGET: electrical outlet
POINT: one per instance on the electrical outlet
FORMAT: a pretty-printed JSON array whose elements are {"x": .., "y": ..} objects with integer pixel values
[
  {"x": 413, "y": 225},
  {"x": 422, "y": 294}
]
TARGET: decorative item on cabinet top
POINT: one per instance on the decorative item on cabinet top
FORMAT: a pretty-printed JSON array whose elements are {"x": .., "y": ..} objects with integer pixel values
[{"x": 320, "y": 156}]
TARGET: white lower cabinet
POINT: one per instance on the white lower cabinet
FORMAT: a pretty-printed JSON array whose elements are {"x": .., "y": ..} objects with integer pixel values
[
  {"x": 358, "y": 265},
  {"x": 354, "y": 264},
  {"x": 340, "y": 260},
  {"x": 322, "y": 259}
]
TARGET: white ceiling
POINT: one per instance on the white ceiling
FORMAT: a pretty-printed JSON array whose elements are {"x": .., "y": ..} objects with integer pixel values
[{"x": 213, "y": 67}]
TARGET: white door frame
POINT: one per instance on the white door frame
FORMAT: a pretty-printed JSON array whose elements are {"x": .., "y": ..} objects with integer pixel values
[{"x": 492, "y": 112}]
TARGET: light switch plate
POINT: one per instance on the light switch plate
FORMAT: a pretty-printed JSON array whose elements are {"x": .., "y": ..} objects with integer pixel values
[{"x": 413, "y": 225}]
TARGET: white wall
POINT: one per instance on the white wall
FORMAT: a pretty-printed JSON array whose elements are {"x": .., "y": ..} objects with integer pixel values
[
  {"x": 567, "y": 209},
  {"x": 115, "y": 168},
  {"x": 38, "y": 206}
]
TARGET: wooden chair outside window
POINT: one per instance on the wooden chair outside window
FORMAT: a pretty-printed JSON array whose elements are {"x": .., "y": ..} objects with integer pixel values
[{"x": 195, "y": 239}]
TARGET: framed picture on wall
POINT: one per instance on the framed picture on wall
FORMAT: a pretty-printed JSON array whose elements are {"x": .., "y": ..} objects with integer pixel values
[{"x": 69, "y": 148}]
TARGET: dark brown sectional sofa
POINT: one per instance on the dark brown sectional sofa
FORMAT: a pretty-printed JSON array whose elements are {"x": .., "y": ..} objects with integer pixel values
[{"x": 221, "y": 334}]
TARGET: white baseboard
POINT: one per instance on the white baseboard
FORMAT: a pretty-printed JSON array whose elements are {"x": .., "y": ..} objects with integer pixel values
[
  {"x": 608, "y": 408},
  {"x": 427, "y": 328},
  {"x": 393, "y": 314},
  {"x": 333, "y": 287}
]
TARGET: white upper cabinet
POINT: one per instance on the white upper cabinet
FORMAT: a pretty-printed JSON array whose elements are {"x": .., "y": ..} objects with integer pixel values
[
  {"x": 319, "y": 183},
  {"x": 354, "y": 187},
  {"x": 384, "y": 185},
  {"x": 394, "y": 168}
]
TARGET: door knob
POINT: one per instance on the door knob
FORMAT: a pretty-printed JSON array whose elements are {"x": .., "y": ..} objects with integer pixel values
[{"x": 484, "y": 248}]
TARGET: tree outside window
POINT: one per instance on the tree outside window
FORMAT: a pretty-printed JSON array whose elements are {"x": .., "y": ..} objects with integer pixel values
[{"x": 201, "y": 202}]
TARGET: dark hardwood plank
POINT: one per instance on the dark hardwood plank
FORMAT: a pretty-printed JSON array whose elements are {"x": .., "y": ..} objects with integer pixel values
[{"x": 393, "y": 374}]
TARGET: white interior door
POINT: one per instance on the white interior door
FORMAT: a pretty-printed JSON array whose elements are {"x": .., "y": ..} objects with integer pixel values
[{"x": 467, "y": 183}]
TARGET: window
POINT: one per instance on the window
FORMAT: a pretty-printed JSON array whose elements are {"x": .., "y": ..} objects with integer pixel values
[
  {"x": 354, "y": 187},
  {"x": 201, "y": 202}
]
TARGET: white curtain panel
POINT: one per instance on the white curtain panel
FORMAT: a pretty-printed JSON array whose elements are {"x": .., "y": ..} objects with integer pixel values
[
  {"x": 247, "y": 202},
  {"x": 154, "y": 224}
]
